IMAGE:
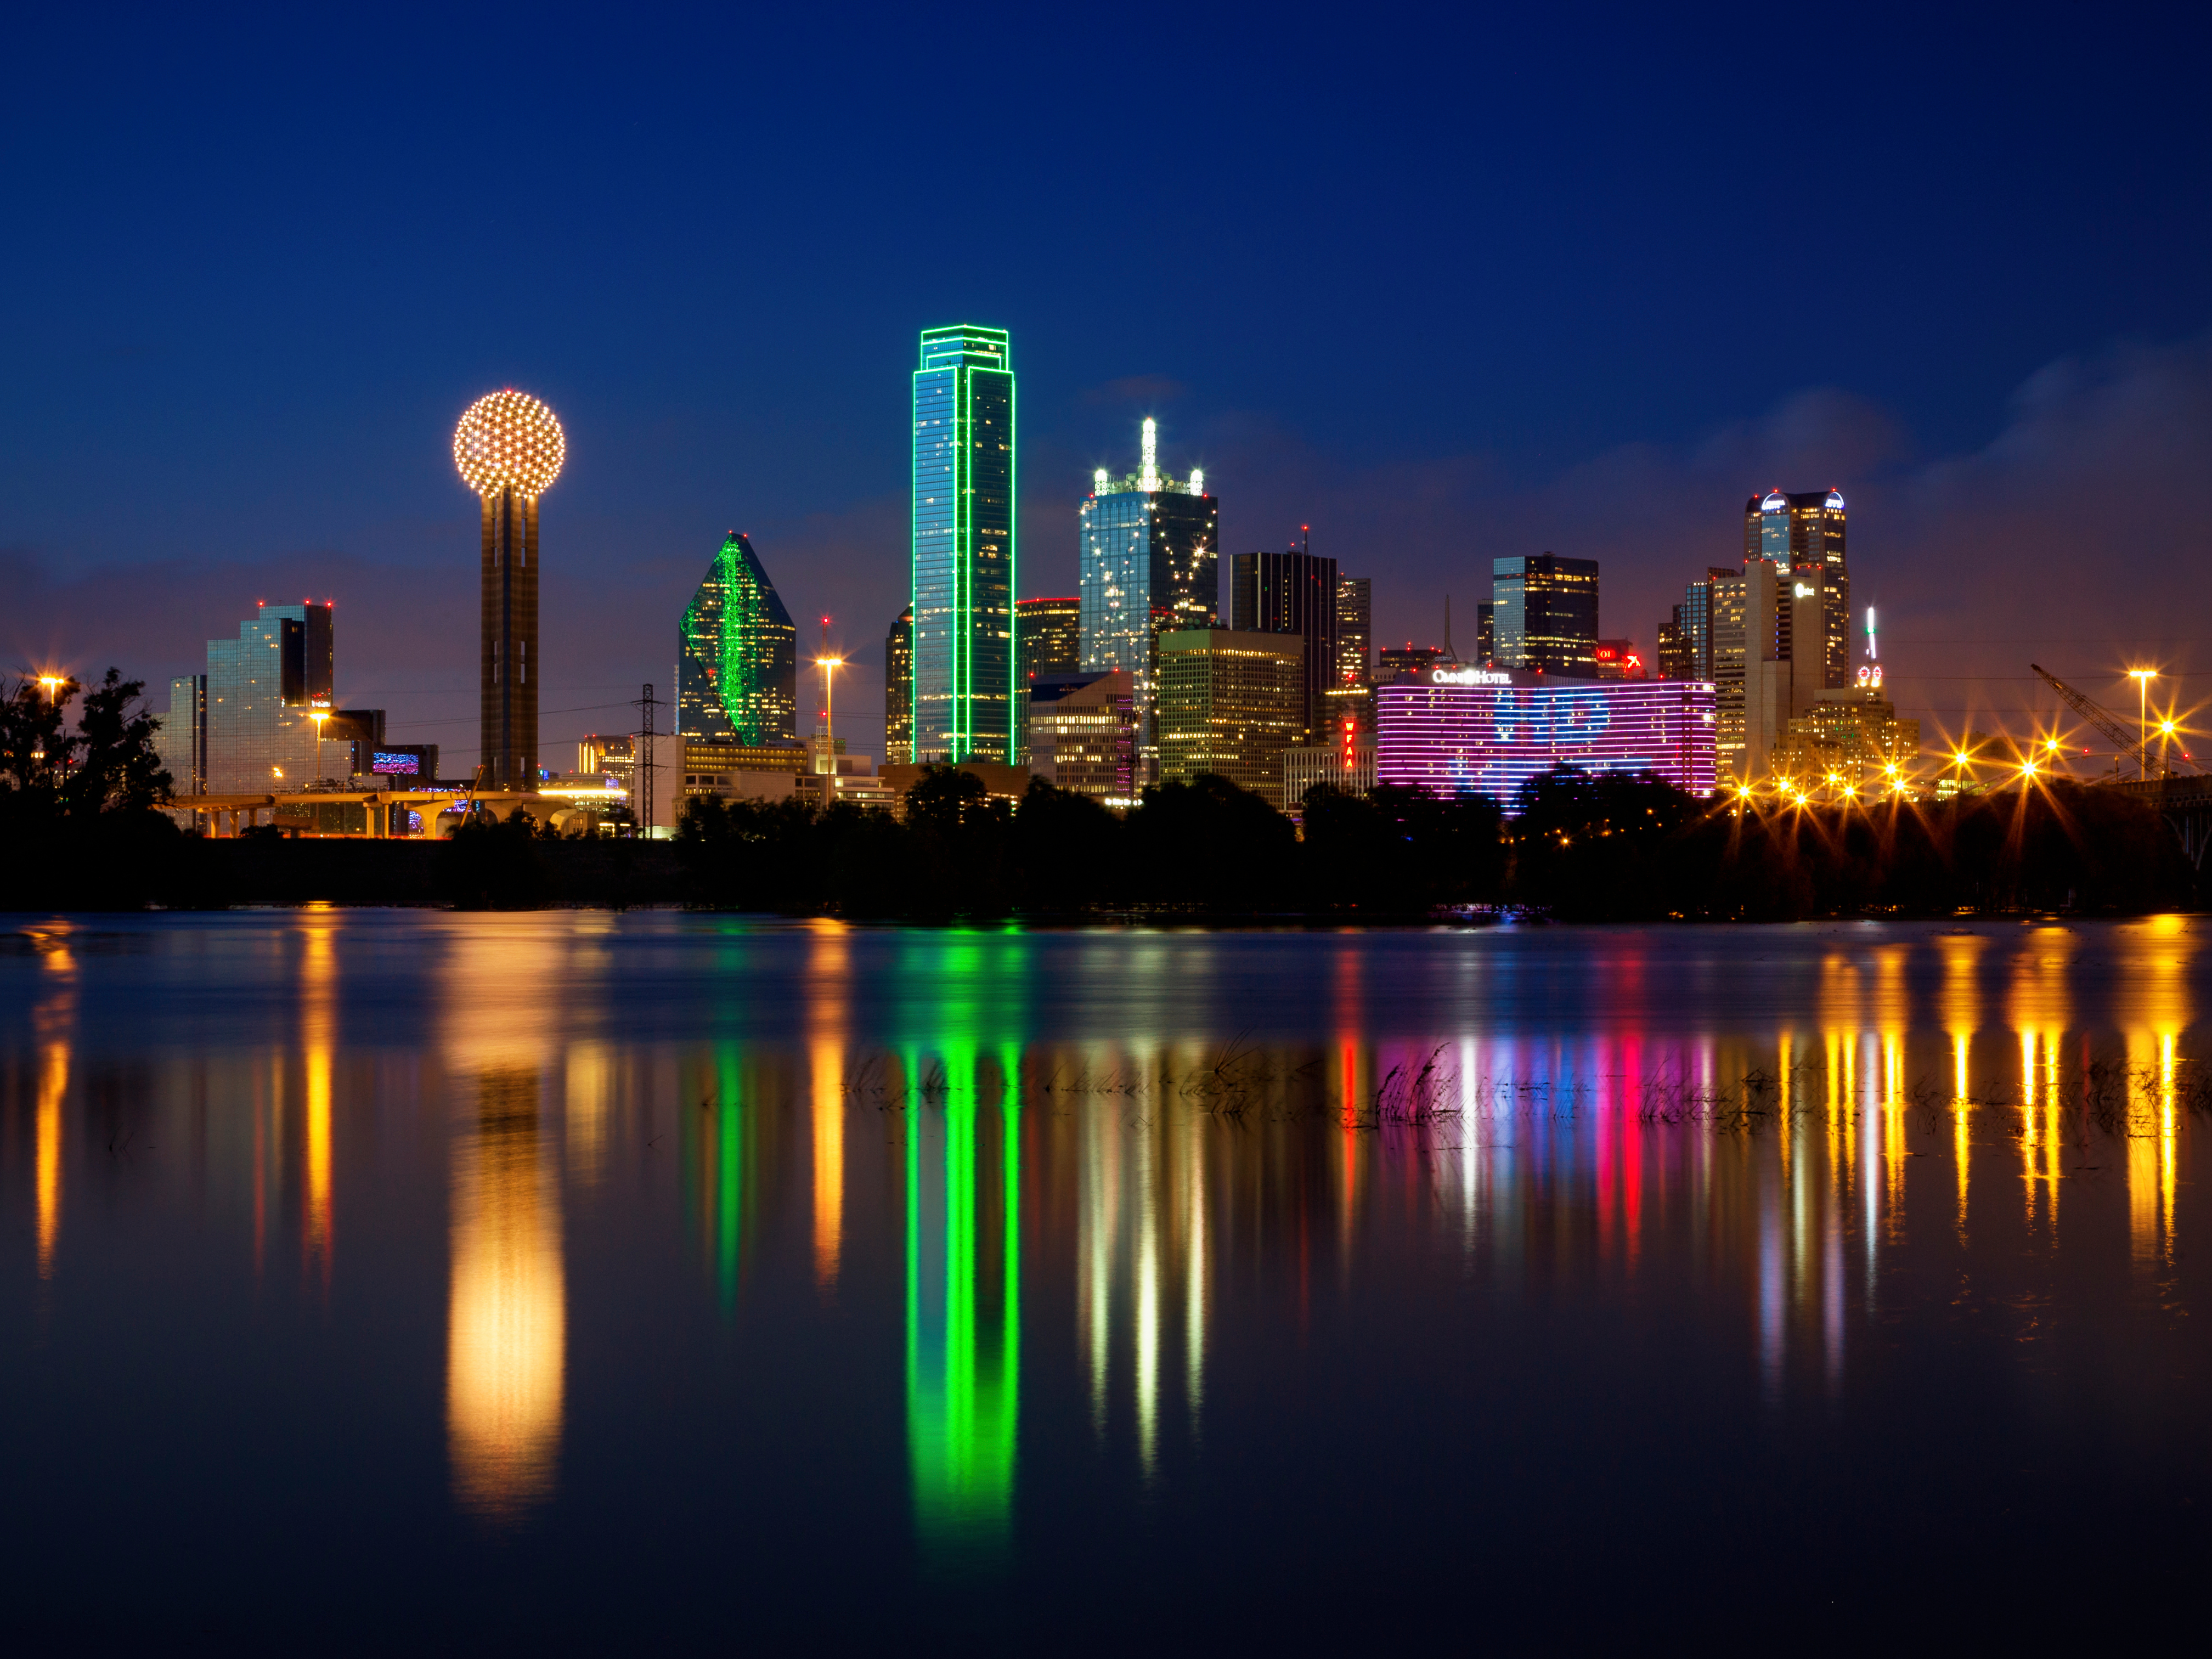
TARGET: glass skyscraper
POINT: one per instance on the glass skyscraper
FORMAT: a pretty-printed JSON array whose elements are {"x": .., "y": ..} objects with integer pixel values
[
  {"x": 1545, "y": 614},
  {"x": 1293, "y": 592},
  {"x": 262, "y": 689},
  {"x": 1149, "y": 551},
  {"x": 737, "y": 676},
  {"x": 964, "y": 705}
]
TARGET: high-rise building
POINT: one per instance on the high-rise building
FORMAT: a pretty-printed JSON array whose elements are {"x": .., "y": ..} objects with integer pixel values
[
  {"x": 509, "y": 449},
  {"x": 1694, "y": 616},
  {"x": 182, "y": 737},
  {"x": 1791, "y": 530},
  {"x": 898, "y": 688},
  {"x": 1229, "y": 703},
  {"x": 1675, "y": 658},
  {"x": 964, "y": 705},
  {"x": 1149, "y": 552},
  {"x": 257, "y": 737},
  {"x": 1292, "y": 593},
  {"x": 1544, "y": 619},
  {"x": 737, "y": 665},
  {"x": 1082, "y": 733},
  {"x": 1355, "y": 629},
  {"x": 1048, "y": 637},
  {"x": 1485, "y": 634}
]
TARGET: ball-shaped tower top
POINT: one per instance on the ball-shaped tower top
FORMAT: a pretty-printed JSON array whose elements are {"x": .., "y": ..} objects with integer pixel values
[{"x": 509, "y": 440}]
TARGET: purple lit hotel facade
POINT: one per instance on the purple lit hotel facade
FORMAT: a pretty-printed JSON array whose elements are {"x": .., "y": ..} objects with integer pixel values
[{"x": 1471, "y": 731}]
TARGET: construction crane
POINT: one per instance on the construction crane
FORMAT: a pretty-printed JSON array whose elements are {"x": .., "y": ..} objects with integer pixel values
[{"x": 2126, "y": 743}]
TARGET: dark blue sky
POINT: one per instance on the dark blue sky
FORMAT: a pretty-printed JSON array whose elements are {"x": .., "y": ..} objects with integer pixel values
[{"x": 1443, "y": 285}]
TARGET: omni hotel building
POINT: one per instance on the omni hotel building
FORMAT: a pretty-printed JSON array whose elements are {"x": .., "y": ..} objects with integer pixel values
[{"x": 1456, "y": 730}]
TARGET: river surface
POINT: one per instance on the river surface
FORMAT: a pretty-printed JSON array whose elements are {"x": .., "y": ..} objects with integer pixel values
[{"x": 407, "y": 1281}]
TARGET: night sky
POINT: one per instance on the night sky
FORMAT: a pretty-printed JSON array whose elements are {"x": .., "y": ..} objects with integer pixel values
[{"x": 1444, "y": 286}]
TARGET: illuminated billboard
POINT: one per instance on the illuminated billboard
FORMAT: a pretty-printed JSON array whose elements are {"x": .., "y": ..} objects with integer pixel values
[
  {"x": 396, "y": 762},
  {"x": 1436, "y": 730}
]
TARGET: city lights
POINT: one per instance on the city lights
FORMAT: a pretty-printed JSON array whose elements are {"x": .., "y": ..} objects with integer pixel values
[{"x": 509, "y": 441}]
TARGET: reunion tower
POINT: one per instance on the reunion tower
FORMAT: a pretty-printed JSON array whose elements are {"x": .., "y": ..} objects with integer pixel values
[{"x": 509, "y": 448}]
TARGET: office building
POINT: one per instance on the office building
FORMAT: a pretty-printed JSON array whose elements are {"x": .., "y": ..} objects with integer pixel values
[
  {"x": 264, "y": 691},
  {"x": 898, "y": 687},
  {"x": 1470, "y": 730},
  {"x": 1544, "y": 616},
  {"x": 1618, "y": 659},
  {"x": 1761, "y": 688},
  {"x": 1847, "y": 739},
  {"x": 1673, "y": 653},
  {"x": 1485, "y": 634},
  {"x": 1802, "y": 534},
  {"x": 1694, "y": 616},
  {"x": 509, "y": 449},
  {"x": 737, "y": 665},
  {"x": 1149, "y": 550},
  {"x": 1082, "y": 734},
  {"x": 1293, "y": 592},
  {"x": 1048, "y": 637},
  {"x": 964, "y": 705},
  {"x": 1352, "y": 770},
  {"x": 1229, "y": 703},
  {"x": 1395, "y": 660},
  {"x": 1355, "y": 629},
  {"x": 181, "y": 740}
]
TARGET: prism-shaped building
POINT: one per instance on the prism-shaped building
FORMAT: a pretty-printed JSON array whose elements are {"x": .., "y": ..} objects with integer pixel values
[{"x": 737, "y": 656}]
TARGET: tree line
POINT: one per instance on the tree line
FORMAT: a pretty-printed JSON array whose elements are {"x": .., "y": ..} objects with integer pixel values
[{"x": 80, "y": 827}]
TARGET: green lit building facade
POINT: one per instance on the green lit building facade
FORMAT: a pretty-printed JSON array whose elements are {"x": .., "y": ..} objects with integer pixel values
[
  {"x": 737, "y": 678},
  {"x": 964, "y": 704}
]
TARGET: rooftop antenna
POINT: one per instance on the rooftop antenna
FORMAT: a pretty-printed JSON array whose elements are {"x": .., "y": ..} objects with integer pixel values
[
  {"x": 1450, "y": 655},
  {"x": 1148, "y": 480}
]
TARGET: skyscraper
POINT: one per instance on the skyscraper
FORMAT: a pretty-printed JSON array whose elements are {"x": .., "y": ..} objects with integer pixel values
[
  {"x": 1791, "y": 530},
  {"x": 1486, "y": 632},
  {"x": 1673, "y": 649},
  {"x": 898, "y": 688},
  {"x": 1048, "y": 637},
  {"x": 1545, "y": 614},
  {"x": 263, "y": 689},
  {"x": 1229, "y": 704},
  {"x": 964, "y": 705},
  {"x": 509, "y": 449},
  {"x": 1694, "y": 616},
  {"x": 737, "y": 668},
  {"x": 1149, "y": 549},
  {"x": 1293, "y": 592},
  {"x": 1355, "y": 627}
]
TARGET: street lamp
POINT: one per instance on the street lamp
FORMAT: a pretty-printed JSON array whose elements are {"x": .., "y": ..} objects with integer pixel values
[
  {"x": 2143, "y": 678},
  {"x": 319, "y": 716},
  {"x": 2166, "y": 729}
]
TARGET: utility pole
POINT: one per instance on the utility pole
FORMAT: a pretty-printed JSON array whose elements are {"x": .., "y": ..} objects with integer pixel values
[{"x": 640, "y": 766}]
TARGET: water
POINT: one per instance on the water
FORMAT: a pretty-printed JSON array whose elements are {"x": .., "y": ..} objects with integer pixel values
[{"x": 573, "y": 1281}]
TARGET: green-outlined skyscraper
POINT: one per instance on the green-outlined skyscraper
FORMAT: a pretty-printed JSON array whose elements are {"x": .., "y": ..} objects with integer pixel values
[
  {"x": 964, "y": 705},
  {"x": 737, "y": 656}
]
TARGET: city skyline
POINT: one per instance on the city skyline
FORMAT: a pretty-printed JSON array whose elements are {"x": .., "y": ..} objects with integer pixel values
[{"x": 2005, "y": 374}]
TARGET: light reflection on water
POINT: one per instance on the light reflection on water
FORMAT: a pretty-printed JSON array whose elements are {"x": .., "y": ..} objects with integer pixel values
[{"x": 1082, "y": 1211}]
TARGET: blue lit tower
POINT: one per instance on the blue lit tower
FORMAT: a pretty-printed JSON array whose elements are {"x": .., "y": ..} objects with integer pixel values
[
  {"x": 1149, "y": 546},
  {"x": 964, "y": 705}
]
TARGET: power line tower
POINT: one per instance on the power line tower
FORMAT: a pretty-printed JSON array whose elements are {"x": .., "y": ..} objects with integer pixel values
[{"x": 642, "y": 763}]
